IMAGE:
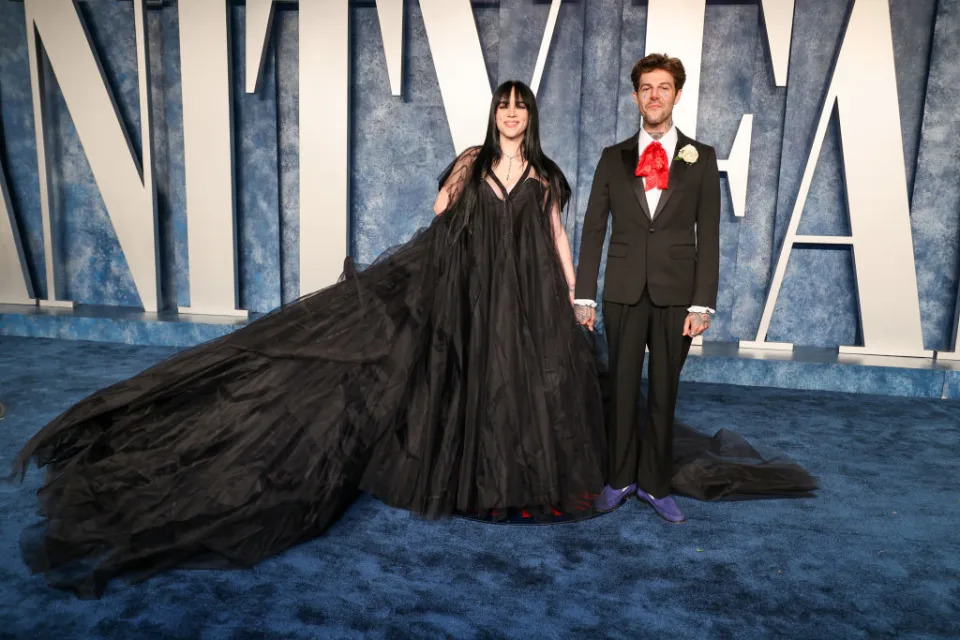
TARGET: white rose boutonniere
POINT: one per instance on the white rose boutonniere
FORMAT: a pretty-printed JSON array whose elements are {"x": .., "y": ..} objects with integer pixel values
[{"x": 688, "y": 154}]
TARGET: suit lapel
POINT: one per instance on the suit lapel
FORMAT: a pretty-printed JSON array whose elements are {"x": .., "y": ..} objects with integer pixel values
[
  {"x": 630, "y": 157},
  {"x": 678, "y": 169}
]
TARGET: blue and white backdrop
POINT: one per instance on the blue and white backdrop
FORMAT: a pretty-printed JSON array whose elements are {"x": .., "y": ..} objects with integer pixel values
[{"x": 213, "y": 157}]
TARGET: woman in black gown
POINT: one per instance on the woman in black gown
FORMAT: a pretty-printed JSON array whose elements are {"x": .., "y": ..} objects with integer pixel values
[{"x": 448, "y": 377}]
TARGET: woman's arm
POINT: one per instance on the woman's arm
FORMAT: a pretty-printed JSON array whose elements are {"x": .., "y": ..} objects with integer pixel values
[
  {"x": 563, "y": 249},
  {"x": 440, "y": 204},
  {"x": 454, "y": 180}
]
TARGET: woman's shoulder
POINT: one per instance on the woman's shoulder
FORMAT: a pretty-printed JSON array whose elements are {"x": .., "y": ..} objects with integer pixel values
[
  {"x": 463, "y": 159},
  {"x": 553, "y": 178},
  {"x": 470, "y": 153}
]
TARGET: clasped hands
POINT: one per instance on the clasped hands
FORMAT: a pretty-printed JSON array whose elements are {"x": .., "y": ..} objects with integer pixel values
[
  {"x": 585, "y": 315},
  {"x": 694, "y": 324}
]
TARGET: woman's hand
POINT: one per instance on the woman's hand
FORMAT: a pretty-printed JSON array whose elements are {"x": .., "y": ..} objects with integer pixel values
[{"x": 586, "y": 315}]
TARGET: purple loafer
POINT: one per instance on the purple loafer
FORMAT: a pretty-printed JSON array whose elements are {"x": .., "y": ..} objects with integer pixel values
[
  {"x": 665, "y": 507},
  {"x": 610, "y": 498}
]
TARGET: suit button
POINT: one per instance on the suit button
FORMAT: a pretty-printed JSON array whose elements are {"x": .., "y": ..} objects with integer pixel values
[{"x": 652, "y": 229}]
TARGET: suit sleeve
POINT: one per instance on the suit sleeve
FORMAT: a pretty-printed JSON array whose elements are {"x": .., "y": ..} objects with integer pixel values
[
  {"x": 708, "y": 234},
  {"x": 594, "y": 232}
]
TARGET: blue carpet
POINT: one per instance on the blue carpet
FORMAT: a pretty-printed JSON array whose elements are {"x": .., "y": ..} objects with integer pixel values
[{"x": 876, "y": 554}]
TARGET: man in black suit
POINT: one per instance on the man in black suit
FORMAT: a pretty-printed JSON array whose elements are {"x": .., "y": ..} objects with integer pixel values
[{"x": 663, "y": 191}]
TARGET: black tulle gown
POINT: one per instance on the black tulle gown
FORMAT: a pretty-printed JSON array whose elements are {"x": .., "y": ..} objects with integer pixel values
[{"x": 448, "y": 377}]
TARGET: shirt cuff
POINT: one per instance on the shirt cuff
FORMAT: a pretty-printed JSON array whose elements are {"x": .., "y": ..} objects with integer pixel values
[{"x": 692, "y": 309}]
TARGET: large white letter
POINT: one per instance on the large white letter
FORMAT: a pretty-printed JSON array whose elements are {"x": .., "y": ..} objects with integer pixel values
[
  {"x": 126, "y": 187},
  {"x": 390, "y": 13},
  {"x": 324, "y": 130},
  {"x": 864, "y": 90},
  {"x": 208, "y": 157},
  {"x": 258, "y": 21},
  {"x": 324, "y": 141},
  {"x": 458, "y": 59},
  {"x": 15, "y": 286},
  {"x": 545, "y": 42},
  {"x": 778, "y": 25},
  {"x": 675, "y": 27}
]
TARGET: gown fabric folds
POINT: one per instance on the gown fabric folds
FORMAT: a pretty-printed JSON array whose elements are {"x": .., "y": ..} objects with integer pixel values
[{"x": 447, "y": 377}]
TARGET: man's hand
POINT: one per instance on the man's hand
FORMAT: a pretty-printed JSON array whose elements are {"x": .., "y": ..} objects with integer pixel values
[
  {"x": 695, "y": 324},
  {"x": 586, "y": 315}
]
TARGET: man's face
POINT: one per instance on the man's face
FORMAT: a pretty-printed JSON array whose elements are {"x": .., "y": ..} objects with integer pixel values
[{"x": 656, "y": 96}]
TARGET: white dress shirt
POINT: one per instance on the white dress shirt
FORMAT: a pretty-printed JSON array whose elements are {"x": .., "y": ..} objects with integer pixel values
[{"x": 669, "y": 142}]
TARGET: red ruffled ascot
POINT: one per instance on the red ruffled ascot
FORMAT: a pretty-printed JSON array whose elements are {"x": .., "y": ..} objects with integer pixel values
[{"x": 653, "y": 166}]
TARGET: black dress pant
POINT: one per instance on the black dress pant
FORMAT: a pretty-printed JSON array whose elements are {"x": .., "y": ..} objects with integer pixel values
[{"x": 641, "y": 437}]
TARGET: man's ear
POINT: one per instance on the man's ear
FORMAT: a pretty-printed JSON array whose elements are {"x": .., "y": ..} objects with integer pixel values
[{"x": 676, "y": 98}]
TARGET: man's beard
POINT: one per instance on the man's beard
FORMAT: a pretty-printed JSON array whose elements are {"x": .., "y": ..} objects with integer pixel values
[{"x": 664, "y": 117}]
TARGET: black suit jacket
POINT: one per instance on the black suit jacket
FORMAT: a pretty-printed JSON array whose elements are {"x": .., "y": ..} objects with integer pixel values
[{"x": 675, "y": 254}]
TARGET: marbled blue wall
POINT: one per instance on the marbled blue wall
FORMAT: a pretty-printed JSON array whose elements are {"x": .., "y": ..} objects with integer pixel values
[{"x": 400, "y": 144}]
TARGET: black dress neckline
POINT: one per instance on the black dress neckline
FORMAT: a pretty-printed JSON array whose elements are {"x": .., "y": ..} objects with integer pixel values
[{"x": 506, "y": 192}]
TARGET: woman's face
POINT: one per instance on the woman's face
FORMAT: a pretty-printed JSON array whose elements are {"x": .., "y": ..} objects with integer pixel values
[{"x": 511, "y": 117}]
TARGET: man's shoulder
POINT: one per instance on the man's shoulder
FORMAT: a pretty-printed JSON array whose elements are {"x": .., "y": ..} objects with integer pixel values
[
  {"x": 615, "y": 149},
  {"x": 702, "y": 147},
  {"x": 623, "y": 144}
]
